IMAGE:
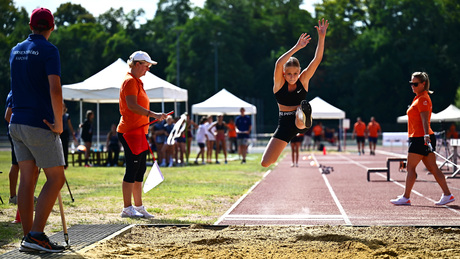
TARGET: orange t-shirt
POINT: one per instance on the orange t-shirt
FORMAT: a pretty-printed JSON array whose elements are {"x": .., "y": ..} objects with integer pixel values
[
  {"x": 317, "y": 130},
  {"x": 373, "y": 128},
  {"x": 360, "y": 128},
  {"x": 421, "y": 103},
  {"x": 130, "y": 120},
  {"x": 231, "y": 130}
]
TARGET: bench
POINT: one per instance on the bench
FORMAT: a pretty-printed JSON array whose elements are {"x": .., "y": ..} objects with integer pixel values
[{"x": 385, "y": 169}]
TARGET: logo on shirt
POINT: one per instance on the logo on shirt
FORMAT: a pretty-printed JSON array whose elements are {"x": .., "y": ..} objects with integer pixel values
[
  {"x": 425, "y": 103},
  {"x": 299, "y": 91}
]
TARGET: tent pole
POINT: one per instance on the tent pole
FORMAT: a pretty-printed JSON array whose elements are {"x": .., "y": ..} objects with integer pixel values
[
  {"x": 98, "y": 145},
  {"x": 81, "y": 117}
]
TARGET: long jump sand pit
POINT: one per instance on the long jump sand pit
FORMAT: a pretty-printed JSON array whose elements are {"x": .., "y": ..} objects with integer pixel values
[{"x": 196, "y": 241}]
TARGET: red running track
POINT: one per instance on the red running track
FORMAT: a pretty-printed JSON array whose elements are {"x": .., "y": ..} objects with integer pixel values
[{"x": 304, "y": 196}]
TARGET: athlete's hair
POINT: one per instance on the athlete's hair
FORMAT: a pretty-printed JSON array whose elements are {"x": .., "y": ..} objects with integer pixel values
[
  {"x": 423, "y": 77},
  {"x": 89, "y": 113},
  {"x": 292, "y": 62}
]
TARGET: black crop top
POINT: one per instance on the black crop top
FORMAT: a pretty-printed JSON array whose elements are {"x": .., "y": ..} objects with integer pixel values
[{"x": 284, "y": 97}]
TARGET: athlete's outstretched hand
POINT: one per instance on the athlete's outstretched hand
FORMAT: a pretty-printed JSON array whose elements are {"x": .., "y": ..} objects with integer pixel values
[
  {"x": 322, "y": 27},
  {"x": 304, "y": 39}
]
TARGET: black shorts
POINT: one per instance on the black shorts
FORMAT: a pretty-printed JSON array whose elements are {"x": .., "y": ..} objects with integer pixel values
[
  {"x": 417, "y": 145},
  {"x": 360, "y": 139},
  {"x": 286, "y": 129}
]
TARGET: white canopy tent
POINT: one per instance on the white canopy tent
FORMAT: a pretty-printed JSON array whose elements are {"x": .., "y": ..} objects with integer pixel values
[
  {"x": 322, "y": 110},
  {"x": 104, "y": 87},
  {"x": 225, "y": 103},
  {"x": 450, "y": 114}
]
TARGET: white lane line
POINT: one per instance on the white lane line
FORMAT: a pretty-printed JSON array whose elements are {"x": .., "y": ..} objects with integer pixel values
[
  {"x": 399, "y": 184},
  {"x": 240, "y": 199},
  {"x": 336, "y": 200},
  {"x": 283, "y": 217}
]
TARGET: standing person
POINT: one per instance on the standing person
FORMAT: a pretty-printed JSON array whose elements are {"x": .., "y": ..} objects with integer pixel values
[
  {"x": 307, "y": 139},
  {"x": 243, "y": 128},
  {"x": 14, "y": 169},
  {"x": 374, "y": 130},
  {"x": 232, "y": 136},
  {"x": 67, "y": 130},
  {"x": 221, "y": 143},
  {"x": 359, "y": 131},
  {"x": 189, "y": 135},
  {"x": 318, "y": 133},
  {"x": 160, "y": 139},
  {"x": 295, "y": 147},
  {"x": 290, "y": 87},
  {"x": 135, "y": 112},
  {"x": 167, "y": 149},
  {"x": 210, "y": 140},
  {"x": 87, "y": 134},
  {"x": 35, "y": 125},
  {"x": 422, "y": 141},
  {"x": 201, "y": 140},
  {"x": 113, "y": 146}
]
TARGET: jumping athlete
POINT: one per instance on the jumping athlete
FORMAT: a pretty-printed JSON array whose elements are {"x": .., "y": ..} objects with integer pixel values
[{"x": 290, "y": 89}]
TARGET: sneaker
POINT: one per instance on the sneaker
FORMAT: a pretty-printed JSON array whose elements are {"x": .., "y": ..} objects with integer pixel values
[
  {"x": 130, "y": 212},
  {"x": 296, "y": 165},
  {"x": 445, "y": 199},
  {"x": 14, "y": 200},
  {"x": 401, "y": 200},
  {"x": 292, "y": 164},
  {"x": 144, "y": 212},
  {"x": 40, "y": 243},
  {"x": 217, "y": 162},
  {"x": 26, "y": 249},
  {"x": 304, "y": 113}
]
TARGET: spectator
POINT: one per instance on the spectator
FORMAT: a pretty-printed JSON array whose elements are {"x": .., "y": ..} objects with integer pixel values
[
  {"x": 210, "y": 140},
  {"x": 168, "y": 148},
  {"x": 317, "y": 135},
  {"x": 201, "y": 140},
  {"x": 232, "y": 136},
  {"x": 221, "y": 144},
  {"x": 67, "y": 130},
  {"x": 243, "y": 129},
  {"x": 87, "y": 135},
  {"x": 295, "y": 146},
  {"x": 113, "y": 146}
]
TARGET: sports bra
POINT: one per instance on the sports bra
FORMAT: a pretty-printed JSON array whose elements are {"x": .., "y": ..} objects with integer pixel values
[
  {"x": 284, "y": 97},
  {"x": 220, "y": 127}
]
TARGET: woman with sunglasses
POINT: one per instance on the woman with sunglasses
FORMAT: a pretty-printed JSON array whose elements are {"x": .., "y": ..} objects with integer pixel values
[
  {"x": 421, "y": 141},
  {"x": 290, "y": 86},
  {"x": 135, "y": 112}
]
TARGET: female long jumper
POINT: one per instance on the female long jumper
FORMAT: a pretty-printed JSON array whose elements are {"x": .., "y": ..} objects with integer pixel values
[{"x": 290, "y": 88}]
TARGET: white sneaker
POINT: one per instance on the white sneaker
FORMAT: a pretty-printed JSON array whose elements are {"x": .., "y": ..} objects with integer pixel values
[
  {"x": 445, "y": 199},
  {"x": 401, "y": 200},
  {"x": 143, "y": 211},
  {"x": 130, "y": 212}
]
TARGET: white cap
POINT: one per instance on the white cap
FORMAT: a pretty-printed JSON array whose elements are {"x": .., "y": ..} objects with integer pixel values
[{"x": 142, "y": 56}]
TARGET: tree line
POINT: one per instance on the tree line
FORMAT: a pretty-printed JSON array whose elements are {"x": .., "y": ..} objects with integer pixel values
[{"x": 372, "y": 47}]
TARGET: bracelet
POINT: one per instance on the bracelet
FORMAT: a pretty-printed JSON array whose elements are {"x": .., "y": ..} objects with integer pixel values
[{"x": 426, "y": 135}]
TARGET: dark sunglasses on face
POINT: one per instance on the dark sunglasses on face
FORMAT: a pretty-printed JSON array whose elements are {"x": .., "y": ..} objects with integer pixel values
[{"x": 413, "y": 84}]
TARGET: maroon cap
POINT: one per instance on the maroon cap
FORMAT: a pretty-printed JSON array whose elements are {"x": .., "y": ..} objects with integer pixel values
[{"x": 42, "y": 18}]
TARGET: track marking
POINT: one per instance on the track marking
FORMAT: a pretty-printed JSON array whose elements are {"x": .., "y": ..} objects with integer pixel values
[
  {"x": 284, "y": 217},
  {"x": 397, "y": 183},
  {"x": 336, "y": 200}
]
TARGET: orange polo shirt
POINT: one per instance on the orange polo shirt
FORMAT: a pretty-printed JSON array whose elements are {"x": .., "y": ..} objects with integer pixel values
[
  {"x": 360, "y": 128},
  {"x": 130, "y": 120},
  {"x": 421, "y": 103},
  {"x": 373, "y": 128},
  {"x": 231, "y": 130},
  {"x": 317, "y": 130}
]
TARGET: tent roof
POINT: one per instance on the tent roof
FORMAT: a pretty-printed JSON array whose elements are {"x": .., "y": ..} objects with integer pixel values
[
  {"x": 323, "y": 110},
  {"x": 451, "y": 113},
  {"x": 223, "y": 102},
  {"x": 104, "y": 87}
]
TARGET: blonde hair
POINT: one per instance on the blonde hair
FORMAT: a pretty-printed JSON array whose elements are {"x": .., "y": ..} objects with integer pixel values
[
  {"x": 292, "y": 62},
  {"x": 423, "y": 77}
]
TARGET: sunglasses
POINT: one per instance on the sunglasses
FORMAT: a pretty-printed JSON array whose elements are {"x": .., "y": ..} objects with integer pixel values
[
  {"x": 413, "y": 84},
  {"x": 145, "y": 64}
]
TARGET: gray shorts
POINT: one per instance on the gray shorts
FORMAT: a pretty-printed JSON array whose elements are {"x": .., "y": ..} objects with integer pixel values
[
  {"x": 32, "y": 143},
  {"x": 242, "y": 141}
]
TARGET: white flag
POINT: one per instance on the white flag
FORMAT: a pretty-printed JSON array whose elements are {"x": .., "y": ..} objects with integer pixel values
[{"x": 154, "y": 178}]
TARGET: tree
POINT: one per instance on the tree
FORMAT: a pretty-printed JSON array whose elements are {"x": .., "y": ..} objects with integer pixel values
[{"x": 69, "y": 14}]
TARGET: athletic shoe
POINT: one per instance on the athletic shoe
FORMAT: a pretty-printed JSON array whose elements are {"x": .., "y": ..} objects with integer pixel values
[
  {"x": 14, "y": 200},
  {"x": 217, "y": 162},
  {"x": 296, "y": 165},
  {"x": 292, "y": 164},
  {"x": 304, "y": 113},
  {"x": 445, "y": 199},
  {"x": 130, "y": 212},
  {"x": 144, "y": 212},
  {"x": 41, "y": 243},
  {"x": 401, "y": 200}
]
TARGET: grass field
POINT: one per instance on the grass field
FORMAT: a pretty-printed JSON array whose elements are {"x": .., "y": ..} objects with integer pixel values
[{"x": 191, "y": 194}]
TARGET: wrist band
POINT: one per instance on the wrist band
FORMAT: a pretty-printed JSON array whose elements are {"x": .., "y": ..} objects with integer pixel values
[{"x": 426, "y": 135}]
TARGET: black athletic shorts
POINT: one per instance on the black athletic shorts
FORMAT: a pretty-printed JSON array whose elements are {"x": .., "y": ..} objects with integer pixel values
[
  {"x": 286, "y": 129},
  {"x": 360, "y": 139},
  {"x": 417, "y": 145}
]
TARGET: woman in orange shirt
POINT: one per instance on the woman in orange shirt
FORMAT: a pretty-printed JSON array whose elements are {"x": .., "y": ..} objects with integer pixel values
[
  {"x": 135, "y": 112},
  {"x": 421, "y": 141}
]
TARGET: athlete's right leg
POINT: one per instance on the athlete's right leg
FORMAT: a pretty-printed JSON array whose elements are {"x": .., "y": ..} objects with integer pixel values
[
  {"x": 412, "y": 161},
  {"x": 272, "y": 151}
]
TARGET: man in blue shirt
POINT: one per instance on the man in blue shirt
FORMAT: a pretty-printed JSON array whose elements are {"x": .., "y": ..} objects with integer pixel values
[
  {"x": 243, "y": 128},
  {"x": 35, "y": 125}
]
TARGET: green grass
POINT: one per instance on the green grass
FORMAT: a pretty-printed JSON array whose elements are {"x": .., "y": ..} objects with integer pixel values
[{"x": 192, "y": 194}]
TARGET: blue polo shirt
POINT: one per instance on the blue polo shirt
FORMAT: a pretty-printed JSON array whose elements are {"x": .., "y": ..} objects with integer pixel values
[
  {"x": 242, "y": 123},
  {"x": 31, "y": 62}
]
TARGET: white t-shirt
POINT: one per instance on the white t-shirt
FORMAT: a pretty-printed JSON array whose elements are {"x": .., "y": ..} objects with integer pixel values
[
  {"x": 211, "y": 136},
  {"x": 201, "y": 133}
]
